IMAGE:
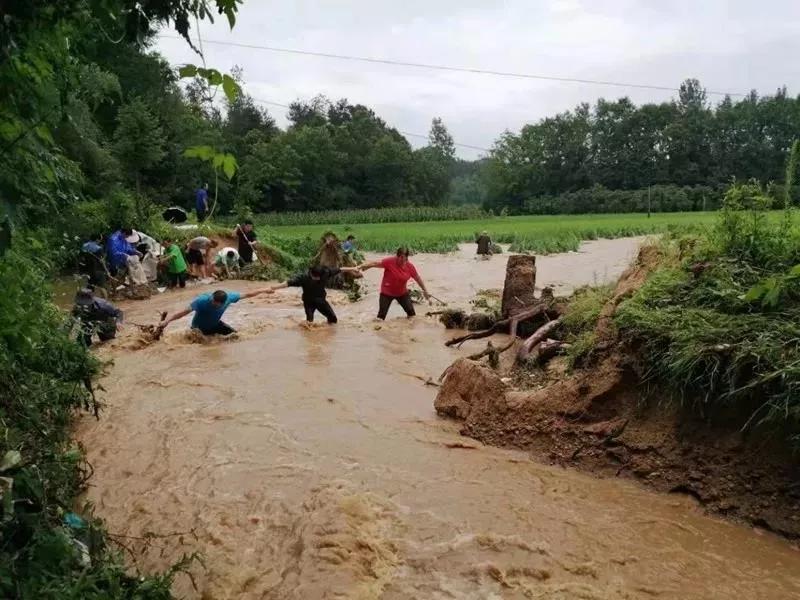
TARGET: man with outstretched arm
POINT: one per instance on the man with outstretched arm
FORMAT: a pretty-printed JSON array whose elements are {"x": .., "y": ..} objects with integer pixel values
[
  {"x": 208, "y": 309},
  {"x": 314, "y": 293},
  {"x": 397, "y": 270}
]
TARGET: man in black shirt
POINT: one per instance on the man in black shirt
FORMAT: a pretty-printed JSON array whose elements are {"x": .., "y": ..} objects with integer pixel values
[
  {"x": 247, "y": 240},
  {"x": 314, "y": 294}
]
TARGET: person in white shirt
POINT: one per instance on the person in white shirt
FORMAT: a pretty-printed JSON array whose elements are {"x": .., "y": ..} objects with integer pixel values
[{"x": 226, "y": 263}]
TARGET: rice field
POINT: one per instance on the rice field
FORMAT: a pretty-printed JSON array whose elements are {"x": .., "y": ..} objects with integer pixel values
[{"x": 535, "y": 233}]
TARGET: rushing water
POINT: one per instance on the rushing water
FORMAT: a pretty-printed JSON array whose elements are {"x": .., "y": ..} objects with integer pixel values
[{"x": 308, "y": 463}]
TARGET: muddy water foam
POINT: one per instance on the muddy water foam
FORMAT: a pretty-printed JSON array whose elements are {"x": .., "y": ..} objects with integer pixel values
[{"x": 308, "y": 463}]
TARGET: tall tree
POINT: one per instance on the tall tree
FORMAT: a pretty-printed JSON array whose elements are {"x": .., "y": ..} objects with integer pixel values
[{"x": 138, "y": 140}]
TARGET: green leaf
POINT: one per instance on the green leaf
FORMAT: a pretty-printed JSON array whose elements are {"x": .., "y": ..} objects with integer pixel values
[
  {"x": 187, "y": 71},
  {"x": 202, "y": 152},
  {"x": 755, "y": 292},
  {"x": 213, "y": 76},
  {"x": 772, "y": 297},
  {"x": 230, "y": 166},
  {"x": 795, "y": 271},
  {"x": 230, "y": 87},
  {"x": 43, "y": 131},
  {"x": 11, "y": 459},
  {"x": 231, "y": 14},
  {"x": 218, "y": 160}
]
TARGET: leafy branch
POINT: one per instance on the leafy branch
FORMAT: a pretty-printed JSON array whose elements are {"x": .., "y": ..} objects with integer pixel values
[{"x": 219, "y": 160}]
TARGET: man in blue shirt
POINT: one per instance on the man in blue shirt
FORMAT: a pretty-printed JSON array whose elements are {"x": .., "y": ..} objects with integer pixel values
[
  {"x": 349, "y": 244},
  {"x": 201, "y": 203},
  {"x": 208, "y": 309}
]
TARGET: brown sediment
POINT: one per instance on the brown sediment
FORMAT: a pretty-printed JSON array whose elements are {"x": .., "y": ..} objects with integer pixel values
[
  {"x": 286, "y": 494},
  {"x": 595, "y": 420}
]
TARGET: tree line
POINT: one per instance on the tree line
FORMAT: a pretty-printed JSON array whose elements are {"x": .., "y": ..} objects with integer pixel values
[{"x": 679, "y": 145}]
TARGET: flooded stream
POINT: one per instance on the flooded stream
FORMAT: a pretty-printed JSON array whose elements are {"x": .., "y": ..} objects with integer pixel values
[{"x": 309, "y": 463}]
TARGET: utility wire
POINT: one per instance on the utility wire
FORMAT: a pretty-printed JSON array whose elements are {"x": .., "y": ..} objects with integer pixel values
[
  {"x": 418, "y": 135},
  {"x": 385, "y": 61}
]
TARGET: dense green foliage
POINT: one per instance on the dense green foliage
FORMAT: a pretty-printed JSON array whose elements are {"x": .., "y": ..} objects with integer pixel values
[
  {"x": 541, "y": 234},
  {"x": 703, "y": 333},
  {"x": 91, "y": 127},
  {"x": 617, "y": 145}
]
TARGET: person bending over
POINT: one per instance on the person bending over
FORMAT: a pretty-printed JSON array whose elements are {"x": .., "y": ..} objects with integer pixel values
[
  {"x": 95, "y": 316},
  {"x": 315, "y": 296},
  {"x": 208, "y": 309},
  {"x": 198, "y": 255},
  {"x": 397, "y": 270}
]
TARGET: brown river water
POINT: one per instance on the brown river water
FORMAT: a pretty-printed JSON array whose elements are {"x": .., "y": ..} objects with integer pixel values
[{"x": 309, "y": 463}]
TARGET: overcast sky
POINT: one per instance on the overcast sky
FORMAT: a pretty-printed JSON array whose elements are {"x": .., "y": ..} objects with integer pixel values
[{"x": 733, "y": 46}]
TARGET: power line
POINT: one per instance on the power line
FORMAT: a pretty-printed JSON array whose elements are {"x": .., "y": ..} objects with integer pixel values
[
  {"x": 399, "y": 63},
  {"x": 418, "y": 135}
]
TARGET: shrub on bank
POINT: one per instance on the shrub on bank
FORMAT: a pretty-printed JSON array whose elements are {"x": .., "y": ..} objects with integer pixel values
[
  {"x": 703, "y": 334},
  {"x": 45, "y": 551}
]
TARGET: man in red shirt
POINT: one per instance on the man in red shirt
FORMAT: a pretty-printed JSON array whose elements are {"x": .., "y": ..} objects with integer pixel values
[{"x": 397, "y": 270}]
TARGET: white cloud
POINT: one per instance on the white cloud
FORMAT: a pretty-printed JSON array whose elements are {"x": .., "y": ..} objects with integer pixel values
[{"x": 731, "y": 45}]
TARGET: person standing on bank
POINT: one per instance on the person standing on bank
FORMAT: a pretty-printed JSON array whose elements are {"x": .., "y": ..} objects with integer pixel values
[
  {"x": 175, "y": 263},
  {"x": 397, "y": 270},
  {"x": 208, "y": 309},
  {"x": 247, "y": 241},
  {"x": 201, "y": 202},
  {"x": 315, "y": 297}
]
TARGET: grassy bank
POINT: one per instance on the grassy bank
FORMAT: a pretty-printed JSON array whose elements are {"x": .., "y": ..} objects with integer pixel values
[
  {"x": 542, "y": 234},
  {"x": 717, "y": 324}
]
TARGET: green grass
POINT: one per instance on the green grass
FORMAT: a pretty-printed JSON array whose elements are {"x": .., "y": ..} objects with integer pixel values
[{"x": 539, "y": 233}]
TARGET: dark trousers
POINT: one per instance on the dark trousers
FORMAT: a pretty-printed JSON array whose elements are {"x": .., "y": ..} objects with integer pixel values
[
  {"x": 201, "y": 215},
  {"x": 321, "y": 304},
  {"x": 105, "y": 330},
  {"x": 177, "y": 279},
  {"x": 385, "y": 301},
  {"x": 221, "y": 328}
]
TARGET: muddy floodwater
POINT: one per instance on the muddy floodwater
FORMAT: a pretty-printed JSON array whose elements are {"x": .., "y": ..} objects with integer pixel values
[{"x": 309, "y": 463}]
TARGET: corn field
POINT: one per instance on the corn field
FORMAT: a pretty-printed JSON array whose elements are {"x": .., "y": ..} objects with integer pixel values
[{"x": 399, "y": 214}]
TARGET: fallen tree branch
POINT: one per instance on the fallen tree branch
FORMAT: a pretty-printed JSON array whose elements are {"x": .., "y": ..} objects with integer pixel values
[
  {"x": 538, "y": 336},
  {"x": 549, "y": 348},
  {"x": 505, "y": 324},
  {"x": 492, "y": 352}
]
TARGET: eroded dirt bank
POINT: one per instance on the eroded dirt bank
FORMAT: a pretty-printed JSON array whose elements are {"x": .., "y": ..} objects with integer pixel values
[
  {"x": 309, "y": 463},
  {"x": 595, "y": 419}
]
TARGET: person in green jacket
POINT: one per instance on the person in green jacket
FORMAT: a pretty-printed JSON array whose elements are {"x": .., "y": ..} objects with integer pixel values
[{"x": 176, "y": 264}]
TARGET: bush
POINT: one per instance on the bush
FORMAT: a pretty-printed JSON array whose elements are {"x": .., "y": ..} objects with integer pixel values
[
  {"x": 42, "y": 382},
  {"x": 701, "y": 334}
]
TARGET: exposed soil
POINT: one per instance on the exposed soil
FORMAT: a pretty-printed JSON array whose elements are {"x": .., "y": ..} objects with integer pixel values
[{"x": 595, "y": 420}]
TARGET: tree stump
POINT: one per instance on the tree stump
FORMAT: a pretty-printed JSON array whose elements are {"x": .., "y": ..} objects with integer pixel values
[{"x": 518, "y": 291}]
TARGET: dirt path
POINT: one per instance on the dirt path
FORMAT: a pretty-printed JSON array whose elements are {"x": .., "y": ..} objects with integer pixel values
[{"x": 309, "y": 463}]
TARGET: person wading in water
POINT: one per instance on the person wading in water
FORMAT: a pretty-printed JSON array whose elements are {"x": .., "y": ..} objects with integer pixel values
[
  {"x": 397, "y": 270},
  {"x": 208, "y": 310},
  {"x": 484, "y": 243},
  {"x": 314, "y": 293}
]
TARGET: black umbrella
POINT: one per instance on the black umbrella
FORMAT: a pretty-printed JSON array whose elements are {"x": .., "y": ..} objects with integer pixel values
[{"x": 174, "y": 214}]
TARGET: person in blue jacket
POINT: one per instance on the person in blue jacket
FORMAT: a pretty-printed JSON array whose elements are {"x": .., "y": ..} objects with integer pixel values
[{"x": 118, "y": 249}]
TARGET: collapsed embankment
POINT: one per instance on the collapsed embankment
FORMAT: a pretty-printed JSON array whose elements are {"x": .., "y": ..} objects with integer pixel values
[{"x": 595, "y": 419}]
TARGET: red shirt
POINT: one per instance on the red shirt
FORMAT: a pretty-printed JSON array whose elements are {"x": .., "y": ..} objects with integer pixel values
[{"x": 395, "y": 277}]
